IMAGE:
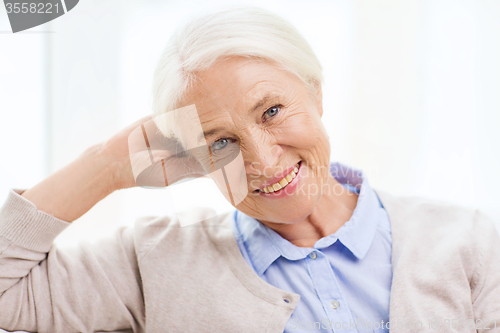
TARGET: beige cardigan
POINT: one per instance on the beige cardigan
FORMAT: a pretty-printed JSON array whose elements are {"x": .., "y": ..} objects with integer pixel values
[{"x": 159, "y": 277}]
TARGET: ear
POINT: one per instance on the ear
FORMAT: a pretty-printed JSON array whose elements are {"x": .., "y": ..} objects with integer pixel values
[{"x": 318, "y": 97}]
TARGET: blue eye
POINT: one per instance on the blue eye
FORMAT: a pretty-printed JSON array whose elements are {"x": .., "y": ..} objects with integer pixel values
[
  {"x": 271, "y": 112},
  {"x": 220, "y": 144}
]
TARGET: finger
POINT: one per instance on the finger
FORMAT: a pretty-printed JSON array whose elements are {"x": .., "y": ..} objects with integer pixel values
[{"x": 152, "y": 176}]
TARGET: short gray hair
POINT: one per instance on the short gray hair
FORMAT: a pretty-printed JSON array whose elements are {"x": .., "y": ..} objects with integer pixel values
[{"x": 245, "y": 31}]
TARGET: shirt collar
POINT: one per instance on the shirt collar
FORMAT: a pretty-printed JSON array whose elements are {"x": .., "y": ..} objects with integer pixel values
[
  {"x": 264, "y": 245},
  {"x": 356, "y": 234},
  {"x": 261, "y": 250}
]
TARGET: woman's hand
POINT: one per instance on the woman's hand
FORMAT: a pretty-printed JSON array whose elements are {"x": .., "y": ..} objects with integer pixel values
[
  {"x": 116, "y": 151},
  {"x": 151, "y": 159}
]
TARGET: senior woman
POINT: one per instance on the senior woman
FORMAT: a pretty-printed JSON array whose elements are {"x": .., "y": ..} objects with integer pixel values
[{"x": 343, "y": 257}]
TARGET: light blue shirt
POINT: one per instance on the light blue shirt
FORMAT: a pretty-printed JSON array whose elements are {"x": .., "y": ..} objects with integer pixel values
[{"x": 344, "y": 280}]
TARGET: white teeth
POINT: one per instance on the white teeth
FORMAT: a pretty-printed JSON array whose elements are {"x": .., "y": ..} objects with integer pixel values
[{"x": 282, "y": 183}]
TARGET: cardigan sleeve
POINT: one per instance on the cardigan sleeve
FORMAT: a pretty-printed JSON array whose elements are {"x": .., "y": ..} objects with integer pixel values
[
  {"x": 43, "y": 288},
  {"x": 485, "y": 282}
]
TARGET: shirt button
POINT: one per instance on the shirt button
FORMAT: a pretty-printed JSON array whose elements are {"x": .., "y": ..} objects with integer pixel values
[
  {"x": 334, "y": 304},
  {"x": 313, "y": 255}
]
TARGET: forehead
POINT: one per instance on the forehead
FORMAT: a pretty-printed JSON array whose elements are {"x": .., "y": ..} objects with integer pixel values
[{"x": 233, "y": 85}]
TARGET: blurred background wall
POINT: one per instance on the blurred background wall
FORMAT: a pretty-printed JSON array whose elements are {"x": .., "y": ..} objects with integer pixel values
[{"x": 411, "y": 95}]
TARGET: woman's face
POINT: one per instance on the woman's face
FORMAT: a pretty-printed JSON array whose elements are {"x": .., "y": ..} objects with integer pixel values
[{"x": 276, "y": 122}]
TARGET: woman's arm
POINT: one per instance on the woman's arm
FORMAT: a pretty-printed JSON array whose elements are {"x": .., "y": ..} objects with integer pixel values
[
  {"x": 102, "y": 169},
  {"x": 82, "y": 289},
  {"x": 98, "y": 287},
  {"x": 71, "y": 191},
  {"x": 46, "y": 289}
]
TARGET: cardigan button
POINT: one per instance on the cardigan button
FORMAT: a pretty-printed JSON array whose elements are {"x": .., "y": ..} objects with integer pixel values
[{"x": 335, "y": 304}]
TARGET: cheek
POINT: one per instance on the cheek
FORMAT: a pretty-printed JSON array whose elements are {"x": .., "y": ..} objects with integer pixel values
[
  {"x": 307, "y": 137},
  {"x": 306, "y": 133}
]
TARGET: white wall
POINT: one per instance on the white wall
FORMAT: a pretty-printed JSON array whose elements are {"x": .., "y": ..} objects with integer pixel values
[
  {"x": 425, "y": 98},
  {"x": 410, "y": 94},
  {"x": 23, "y": 144}
]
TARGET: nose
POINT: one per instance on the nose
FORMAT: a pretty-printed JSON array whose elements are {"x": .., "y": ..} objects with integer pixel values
[{"x": 261, "y": 155}]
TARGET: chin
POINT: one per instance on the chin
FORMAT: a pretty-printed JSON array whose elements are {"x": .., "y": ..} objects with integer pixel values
[{"x": 291, "y": 215}]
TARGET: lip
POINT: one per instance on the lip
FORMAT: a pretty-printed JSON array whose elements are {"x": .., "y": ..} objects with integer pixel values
[
  {"x": 287, "y": 190},
  {"x": 279, "y": 177}
]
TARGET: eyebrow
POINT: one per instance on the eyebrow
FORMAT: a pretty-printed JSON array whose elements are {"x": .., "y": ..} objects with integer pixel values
[
  {"x": 257, "y": 105},
  {"x": 263, "y": 100},
  {"x": 209, "y": 133}
]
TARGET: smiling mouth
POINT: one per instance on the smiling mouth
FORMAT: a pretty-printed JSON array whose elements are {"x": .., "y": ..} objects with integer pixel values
[{"x": 282, "y": 183}]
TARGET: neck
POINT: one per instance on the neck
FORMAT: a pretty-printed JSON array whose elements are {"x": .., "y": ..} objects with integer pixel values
[{"x": 333, "y": 209}]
